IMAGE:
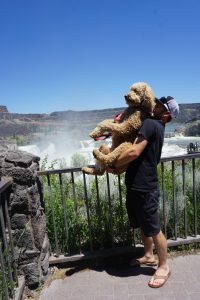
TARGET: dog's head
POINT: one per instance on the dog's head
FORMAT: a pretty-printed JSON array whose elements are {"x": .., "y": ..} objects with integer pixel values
[{"x": 141, "y": 96}]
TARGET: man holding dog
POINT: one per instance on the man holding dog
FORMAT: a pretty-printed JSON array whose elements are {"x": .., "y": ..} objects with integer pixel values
[{"x": 142, "y": 198}]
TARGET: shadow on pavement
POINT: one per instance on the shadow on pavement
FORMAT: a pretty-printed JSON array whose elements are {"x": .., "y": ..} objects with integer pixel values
[{"x": 113, "y": 266}]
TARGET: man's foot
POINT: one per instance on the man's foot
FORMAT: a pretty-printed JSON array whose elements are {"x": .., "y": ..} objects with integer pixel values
[
  {"x": 160, "y": 277},
  {"x": 145, "y": 260}
]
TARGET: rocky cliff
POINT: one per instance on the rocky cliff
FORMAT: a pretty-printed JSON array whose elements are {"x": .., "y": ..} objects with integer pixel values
[
  {"x": 191, "y": 128},
  {"x": 189, "y": 112},
  {"x": 82, "y": 121},
  {"x": 3, "y": 109}
]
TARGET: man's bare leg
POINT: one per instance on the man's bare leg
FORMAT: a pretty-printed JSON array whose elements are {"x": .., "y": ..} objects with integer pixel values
[
  {"x": 163, "y": 268},
  {"x": 148, "y": 257}
]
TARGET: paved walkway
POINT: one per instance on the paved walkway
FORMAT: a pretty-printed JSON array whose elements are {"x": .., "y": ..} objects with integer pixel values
[{"x": 117, "y": 281}]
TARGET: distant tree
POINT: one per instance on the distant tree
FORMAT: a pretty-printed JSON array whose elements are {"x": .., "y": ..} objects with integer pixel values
[{"x": 78, "y": 160}]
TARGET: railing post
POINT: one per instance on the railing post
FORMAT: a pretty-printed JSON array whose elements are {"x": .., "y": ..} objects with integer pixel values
[
  {"x": 110, "y": 209},
  {"x": 99, "y": 212},
  {"x": 76, "y": 211},
  {"x": 121, "y": 209},
  {"x": 184, "y": 199},
  {"x": 5, "y": 243},
  {"x": 194, "y": 195},
  {"x": 53, "y": 215},
  {"x": 88, "y": 213},
  {"x": 3, "y": 272},
  {"x": 164, "y": 200},
  {"x": 13, "y": 262},
  {"x": 174, "y": 200},
  {"x": 64, "y": 210}
]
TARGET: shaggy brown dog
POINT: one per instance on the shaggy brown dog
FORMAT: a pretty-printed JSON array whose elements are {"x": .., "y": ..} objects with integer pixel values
[{"x": 141, "y": 102}]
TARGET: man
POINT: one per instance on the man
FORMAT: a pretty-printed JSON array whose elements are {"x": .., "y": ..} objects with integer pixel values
[{"x": 142, "y": 199}]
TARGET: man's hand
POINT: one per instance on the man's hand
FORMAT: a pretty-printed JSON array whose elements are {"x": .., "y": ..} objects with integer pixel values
[{"x": 132, "y": 153}]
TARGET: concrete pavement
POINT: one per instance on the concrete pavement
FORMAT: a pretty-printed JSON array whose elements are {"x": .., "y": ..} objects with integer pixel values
[{"x": 118, "y": 281}]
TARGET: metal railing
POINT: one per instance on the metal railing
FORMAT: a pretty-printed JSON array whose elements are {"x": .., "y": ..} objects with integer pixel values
[
  {"x": 9, "y": 284},
  {"x": 81, "y": 207},
  {"x": 185, "y": 198}
]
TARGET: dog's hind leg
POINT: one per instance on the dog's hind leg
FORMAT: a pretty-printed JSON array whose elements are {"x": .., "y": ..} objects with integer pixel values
[
  {"x": 105, "y": 149},
  {"x": 97, "y": 169},
  {"x": 111, "y": 158}
]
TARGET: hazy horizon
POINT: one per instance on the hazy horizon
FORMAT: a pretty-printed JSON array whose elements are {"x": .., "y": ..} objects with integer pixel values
[{"x": 76, "y": 110}]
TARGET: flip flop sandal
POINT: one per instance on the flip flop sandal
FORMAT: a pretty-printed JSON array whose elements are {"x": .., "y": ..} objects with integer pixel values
[
  {"x": 155, "y": 277},
  {"x": 137, "y": 263}
]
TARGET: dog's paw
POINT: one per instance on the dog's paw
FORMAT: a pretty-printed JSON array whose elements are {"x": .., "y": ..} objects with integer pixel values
[
  {"x": 95, "y": 133},
  {"x": 96, "y": 153},
  {"x": 93, "y": 171},
  {"x": 88, "y": 170}
]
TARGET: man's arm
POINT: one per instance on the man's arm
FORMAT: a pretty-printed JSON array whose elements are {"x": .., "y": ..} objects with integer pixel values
[{"x": 132, "y": 153}]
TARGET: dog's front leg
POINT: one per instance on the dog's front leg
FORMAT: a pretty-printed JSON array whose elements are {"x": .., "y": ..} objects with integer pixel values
[
  {"x": 129, "y": 126},
  {"x": 104, "y": 127},
  {"x": 100, "y": 129}
]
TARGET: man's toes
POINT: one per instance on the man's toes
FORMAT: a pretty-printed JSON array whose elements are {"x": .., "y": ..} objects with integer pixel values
[{"x": 158, "y": 280}]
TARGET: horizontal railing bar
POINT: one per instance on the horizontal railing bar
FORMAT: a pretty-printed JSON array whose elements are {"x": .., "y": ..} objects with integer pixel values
[
  {"x": 60, "y": 171},
  {"x": 79, "y": 169},
  {"x": 138, "y": 249},
  {"x": 180, "y": 157},
  {"x": 94, "y": 255},
  {"x": 183, "y": 241}
]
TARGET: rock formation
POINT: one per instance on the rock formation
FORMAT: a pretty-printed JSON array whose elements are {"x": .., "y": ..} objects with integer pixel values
[{"x": 28, "y": 221}]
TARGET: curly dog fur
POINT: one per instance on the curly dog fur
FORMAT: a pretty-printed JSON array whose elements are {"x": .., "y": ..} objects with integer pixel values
[{"x": 141, "y": 102}]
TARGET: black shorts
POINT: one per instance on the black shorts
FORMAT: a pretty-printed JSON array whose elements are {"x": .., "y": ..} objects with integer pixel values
[{"x": 142, "y": 208}]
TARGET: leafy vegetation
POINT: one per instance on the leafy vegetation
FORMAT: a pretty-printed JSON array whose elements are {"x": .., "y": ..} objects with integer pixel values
[{"x": 5, "y": 258}]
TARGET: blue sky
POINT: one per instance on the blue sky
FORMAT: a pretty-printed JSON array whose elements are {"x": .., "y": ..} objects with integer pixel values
[{"x": 84, "y": 54}]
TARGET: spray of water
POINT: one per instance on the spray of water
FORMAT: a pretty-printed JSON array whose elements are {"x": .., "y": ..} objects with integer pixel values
[{"x": 71, "y": 139}]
